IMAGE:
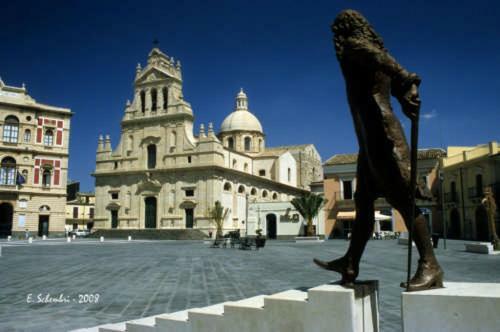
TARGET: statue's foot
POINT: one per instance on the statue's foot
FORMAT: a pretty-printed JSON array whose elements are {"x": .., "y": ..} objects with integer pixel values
[
  {"x": 344, "y": 266},
  {"x": 428, "y": 276}
]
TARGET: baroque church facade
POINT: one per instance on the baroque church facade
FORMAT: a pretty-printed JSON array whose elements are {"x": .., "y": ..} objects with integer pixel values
[{"x": 162, "y": 175}]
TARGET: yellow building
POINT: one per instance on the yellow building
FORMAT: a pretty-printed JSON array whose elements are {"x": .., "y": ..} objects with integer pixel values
[
  {"x": 340, "y": 186},
  {"x": 466, "y": 172},
  {"x": 34, "y": 164},
  {"x": 80, "y": 212}
]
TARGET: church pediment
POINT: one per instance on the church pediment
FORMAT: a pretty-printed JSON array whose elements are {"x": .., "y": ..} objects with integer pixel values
[
  {"x": 113, "y": 206},
  {"x": 152, "y": 74},
  {"x": 150, "y": 140},
  {"x": 149, "y": 185}
]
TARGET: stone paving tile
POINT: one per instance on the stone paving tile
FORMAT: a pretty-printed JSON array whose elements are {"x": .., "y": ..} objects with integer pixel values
[{"x": 145, "y": 278}]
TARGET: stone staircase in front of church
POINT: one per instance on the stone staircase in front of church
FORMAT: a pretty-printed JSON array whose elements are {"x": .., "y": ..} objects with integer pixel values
[
  {"x": 329, "y": 307},
  {"x": 150, "y": 234}
]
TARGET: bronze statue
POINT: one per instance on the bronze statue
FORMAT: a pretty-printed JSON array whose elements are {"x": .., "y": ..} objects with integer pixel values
[
  {"x": 488, "y": 202},
  {"x": 383, "y": 168}
]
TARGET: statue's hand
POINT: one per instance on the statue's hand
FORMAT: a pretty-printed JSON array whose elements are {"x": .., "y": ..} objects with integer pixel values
[{"x": 410, "y": 102}]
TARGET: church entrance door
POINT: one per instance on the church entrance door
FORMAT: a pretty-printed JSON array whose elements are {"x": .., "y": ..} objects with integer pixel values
[
  {"x": 150, "y": 212},
  {"x": 114, "y": 218},
  {"x": 189, "y": 218}
]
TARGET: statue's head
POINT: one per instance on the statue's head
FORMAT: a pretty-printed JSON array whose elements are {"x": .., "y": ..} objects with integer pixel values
[{"x": 351, "y": 24}]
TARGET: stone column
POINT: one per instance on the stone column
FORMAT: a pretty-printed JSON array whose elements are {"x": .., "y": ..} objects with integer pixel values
[{"x": 159, "y": 99}]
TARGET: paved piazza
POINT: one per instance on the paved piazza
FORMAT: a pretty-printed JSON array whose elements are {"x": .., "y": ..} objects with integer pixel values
[{"x": 145, "y": 278}]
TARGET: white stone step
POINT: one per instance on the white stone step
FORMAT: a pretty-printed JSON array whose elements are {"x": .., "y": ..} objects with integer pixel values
[
  {"x": 245, "y": 315},
  {"x": 116, "y": 327},
  {"x": 348, "y": 309},
  {"x": 207, "y": 319},
  {"x": 285, "y": 311},
  {"x": 174, "y": 322},
  {"x": 146, "y": 324},
  {"x": 481, "y": 248},
  {"x": 458, "y": 307}
]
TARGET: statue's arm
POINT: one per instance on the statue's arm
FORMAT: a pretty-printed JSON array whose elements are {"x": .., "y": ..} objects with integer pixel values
[{"x": 404, "y": 85}]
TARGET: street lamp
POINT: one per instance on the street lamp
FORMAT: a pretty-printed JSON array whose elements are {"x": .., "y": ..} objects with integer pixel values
[
  {"x": 246, "y": 215},
  {"x": 443, "y": 216}
]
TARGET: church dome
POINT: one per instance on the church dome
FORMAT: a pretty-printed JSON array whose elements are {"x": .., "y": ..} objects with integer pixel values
[{"x": 241, "y": 118}]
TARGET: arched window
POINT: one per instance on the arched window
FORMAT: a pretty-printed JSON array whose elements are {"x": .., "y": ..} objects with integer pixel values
[
  {"x": 143, "y": 101},
  {"x": 235, "y": 163},
  {"x": 48, "y": 138},
  {"x": 27, "y": 136},
  {"x": 264, "y": 193},
  {"x": 261, "y": 145},
  {"x": 245, "y": 167},
  {"x": 248, "y": 143},
  {"x": 11, "y": 129},
  {"x": 230, "y": 143},
  {"x": 154, "y": 99},
  {"x": 8, "y": 171},
  {"x": 227, "y": 186},
  {"x": 241, "y": 189},
  {"x": 151, "y": 156},
  {"x": 46, "y": 177},
  {"x": 275, "y": 197},
  {"x": 289, "y": 174},
  {"x": 253, "y": 192},
  {"x": 165, "y": 98}
]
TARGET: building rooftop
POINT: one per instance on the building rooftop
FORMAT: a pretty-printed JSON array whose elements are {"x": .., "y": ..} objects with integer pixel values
[
  {"x": 351, "y": 158},
  {"x": 19, "y": 96}
]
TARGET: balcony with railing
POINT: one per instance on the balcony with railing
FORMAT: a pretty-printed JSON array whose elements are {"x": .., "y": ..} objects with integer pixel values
[
  {"x": 451, "y": 197},
  {"x": 475, "y": 192}
]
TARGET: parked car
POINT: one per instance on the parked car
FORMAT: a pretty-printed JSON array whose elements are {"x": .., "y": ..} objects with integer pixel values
[{"x": 79, "y": 232}]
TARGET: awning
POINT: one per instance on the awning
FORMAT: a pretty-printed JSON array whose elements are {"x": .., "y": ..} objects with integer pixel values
[{"x": 350, "y": 215}]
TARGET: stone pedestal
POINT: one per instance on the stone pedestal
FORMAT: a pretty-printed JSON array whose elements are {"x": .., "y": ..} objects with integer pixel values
[
  {"x": 341, "y": 309},
  {"x": 459, "y": 307},
  {"x": 308, "y": 239},
  {"x": 481, "y": 248}
]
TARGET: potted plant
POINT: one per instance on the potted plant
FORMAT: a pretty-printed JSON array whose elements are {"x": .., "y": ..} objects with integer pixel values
[
  {"x": 217, "y": 215},
  {"x": 309, "y": 205}
]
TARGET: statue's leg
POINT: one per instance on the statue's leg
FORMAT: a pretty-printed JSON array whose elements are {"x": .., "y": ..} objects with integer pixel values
[
  {"x": 362, "y": 230},
  {"x": 429, "y": 274}
]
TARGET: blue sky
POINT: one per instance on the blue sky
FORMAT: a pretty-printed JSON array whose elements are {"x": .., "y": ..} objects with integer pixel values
[{"x": 82, "y": 55}]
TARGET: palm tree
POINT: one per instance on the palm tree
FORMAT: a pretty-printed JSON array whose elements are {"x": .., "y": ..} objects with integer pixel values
[
  {"x": 309, "y": 205},
  {"x": 217, "y": 215}
]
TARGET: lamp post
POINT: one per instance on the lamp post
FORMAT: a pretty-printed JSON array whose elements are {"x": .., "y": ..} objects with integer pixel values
[
  {"x": 246, "y": 215},
  {"x": 443, "y": 216}
]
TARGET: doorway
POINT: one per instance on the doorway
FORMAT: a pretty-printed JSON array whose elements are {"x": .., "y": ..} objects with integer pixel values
[
  {"x": 43, "y": 225},
  {"x": 150, "y": 212},
  {"x": 482, "y": 229},
  {"x": 189, "y": 218},
  {"x": 271, "y": 226},
  {"x": 454, "y": 228},
  {"x": 6, "y": 215},
  {"x": 114, "y": 218}
]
